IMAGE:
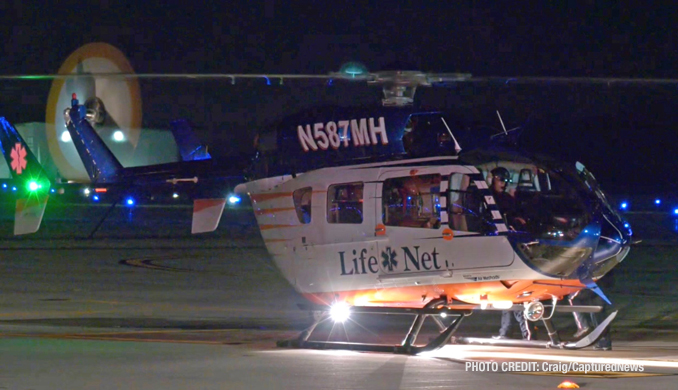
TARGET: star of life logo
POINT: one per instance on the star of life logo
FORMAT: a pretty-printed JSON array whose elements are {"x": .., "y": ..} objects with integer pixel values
[
  {"x": 389, "y": 261},
  {"x": 18, "y": 156}
]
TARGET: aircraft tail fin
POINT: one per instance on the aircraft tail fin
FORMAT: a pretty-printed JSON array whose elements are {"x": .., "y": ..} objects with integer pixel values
[
  {"x": 188, "y": 143},
  {"x": 207, "y": 214},
  {"x": 100, "y": 163},
  {"x": 32, "y": 181}
]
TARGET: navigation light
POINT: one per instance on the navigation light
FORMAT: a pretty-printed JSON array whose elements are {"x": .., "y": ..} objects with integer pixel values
[
  {"x": 66, "y": 136},
  {"x": 353, "y": 69},
  {"x": 233, "y": 199},
  {"x": 118, "y": 136}
]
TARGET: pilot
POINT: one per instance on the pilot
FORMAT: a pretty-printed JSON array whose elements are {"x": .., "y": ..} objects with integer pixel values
[{"x": 505, "y": 200}]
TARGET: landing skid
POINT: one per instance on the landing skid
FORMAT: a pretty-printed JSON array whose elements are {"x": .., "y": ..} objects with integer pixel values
[
  {"x": 432, "y": 309},
  {"x": 435, "y": 310},
  {"x": 554, "y": 341}
]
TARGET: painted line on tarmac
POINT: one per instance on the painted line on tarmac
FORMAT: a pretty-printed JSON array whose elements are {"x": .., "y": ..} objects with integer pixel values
[{"x": 108, "y": 338}]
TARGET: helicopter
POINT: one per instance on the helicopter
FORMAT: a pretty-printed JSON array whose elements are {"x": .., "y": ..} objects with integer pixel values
[{"x": 380, "y": 210}]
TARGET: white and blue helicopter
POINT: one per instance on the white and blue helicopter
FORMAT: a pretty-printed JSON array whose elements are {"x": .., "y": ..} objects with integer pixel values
[{"x": 379, "y": 209}]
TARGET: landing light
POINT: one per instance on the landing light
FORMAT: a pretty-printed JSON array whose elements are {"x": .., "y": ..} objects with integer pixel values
[
  {"x": 175, "y": 195},
  {"x": 534, "y": 311},
  {"x": 86, "y": 191},
  {"x": 233, "y": 199},
  {"x": 66, "y": 136},
  {"x": 340, "y": 311},
  {"x": 118, "y": 136}
]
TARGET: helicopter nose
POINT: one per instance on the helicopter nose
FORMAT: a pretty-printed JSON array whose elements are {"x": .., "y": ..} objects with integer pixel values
[{"x": 615, "y": 237}]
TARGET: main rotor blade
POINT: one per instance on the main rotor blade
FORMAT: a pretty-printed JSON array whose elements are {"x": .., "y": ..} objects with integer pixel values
[{"x": 412, "y": 78}]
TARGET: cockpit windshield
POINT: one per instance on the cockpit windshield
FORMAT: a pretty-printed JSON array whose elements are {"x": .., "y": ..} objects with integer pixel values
[
  {"x": 537, "y": 200},
  {"x": 590, "y": 181}
]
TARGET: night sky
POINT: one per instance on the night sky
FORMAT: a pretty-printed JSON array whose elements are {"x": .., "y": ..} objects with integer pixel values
[{"x": 627, "y": 135}]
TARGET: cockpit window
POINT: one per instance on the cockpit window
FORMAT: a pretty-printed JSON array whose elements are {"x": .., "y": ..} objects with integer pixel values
[
  {"x": 302, "y": 204},
  {"x": 412, "y": 201},
  {"x": 345, "y": 203}
]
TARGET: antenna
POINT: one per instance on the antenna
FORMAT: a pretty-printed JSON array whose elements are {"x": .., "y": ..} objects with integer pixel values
[{"x": 502, "y": 123}]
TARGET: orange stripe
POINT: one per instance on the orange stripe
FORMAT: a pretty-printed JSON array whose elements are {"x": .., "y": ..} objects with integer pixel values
[
  {"x": 268, "y": 227},
  {"x": 202, "y": 204},
  {"x": 272, "y": 211},
  {"x": 269, "y": 196},
  {"x": 277, "y": 240},
  {"x": 410, "y": 296}
]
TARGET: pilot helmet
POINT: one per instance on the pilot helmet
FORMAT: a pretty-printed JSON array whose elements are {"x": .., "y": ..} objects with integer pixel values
[{"x": 502, "y": 173}]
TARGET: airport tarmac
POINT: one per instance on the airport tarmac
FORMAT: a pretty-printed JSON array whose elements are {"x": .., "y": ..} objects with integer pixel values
[{"x": 146, "y": 305}]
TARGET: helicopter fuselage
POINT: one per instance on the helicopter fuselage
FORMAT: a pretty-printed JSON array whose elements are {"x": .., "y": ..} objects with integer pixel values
[{"x": 402, "y": 232}]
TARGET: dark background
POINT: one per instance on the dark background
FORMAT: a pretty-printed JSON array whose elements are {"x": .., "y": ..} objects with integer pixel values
[{"x": 624, "y": 134}]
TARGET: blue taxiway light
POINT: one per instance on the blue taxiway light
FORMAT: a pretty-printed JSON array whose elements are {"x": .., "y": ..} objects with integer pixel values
[
  {"x": 95, "y": 198},
  {"x": 130, "y": 202},
  {"x": 657, "y": 201},
  {"x": 624, "y": 205},
  {"x": 675, "y": 211},
  {"x": 13, "y": 188},
  {"x": 4, "y": 185},
  {"x": 233, "y": 199}
]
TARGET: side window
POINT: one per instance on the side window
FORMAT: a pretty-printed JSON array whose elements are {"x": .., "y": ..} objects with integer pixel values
[
  {"x": 302, "y": 203},
  {"x": 466, "y": 208},
  {"x": 345, "y": 203},
  {"x": 412, "y": 201}
]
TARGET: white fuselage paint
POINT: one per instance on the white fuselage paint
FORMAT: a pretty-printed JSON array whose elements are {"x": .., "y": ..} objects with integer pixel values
[{"x": 324, "y": 257}]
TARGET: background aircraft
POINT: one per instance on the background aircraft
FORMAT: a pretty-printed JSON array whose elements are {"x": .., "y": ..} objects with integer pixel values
[{"x": 30, "y": 184}]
